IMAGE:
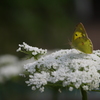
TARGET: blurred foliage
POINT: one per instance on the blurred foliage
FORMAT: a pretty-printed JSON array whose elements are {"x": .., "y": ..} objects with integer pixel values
[
  {"x": 42, "y": 23},
  {"x": 14, "y": 89}
]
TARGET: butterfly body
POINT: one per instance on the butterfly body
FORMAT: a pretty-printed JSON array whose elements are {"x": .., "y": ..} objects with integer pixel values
[{"x": 81, "y": 41}]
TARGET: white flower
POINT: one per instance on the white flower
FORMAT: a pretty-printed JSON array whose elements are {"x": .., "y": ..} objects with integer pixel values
[
  {"x": 71, "y": 68},
  {"x": 10, "y": 66},
  {"x": 8, "y": 59},
  {"x": 34, "y": 50},
  {"x": 33, "y": 88},
  {"x": 85, "y": 87},
  {"x": 70, "y": 88},
  {"x": 42, "y": 89}
]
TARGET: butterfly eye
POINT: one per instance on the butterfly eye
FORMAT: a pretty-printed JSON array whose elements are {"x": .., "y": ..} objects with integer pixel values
[{"x": 76, "y": 34}]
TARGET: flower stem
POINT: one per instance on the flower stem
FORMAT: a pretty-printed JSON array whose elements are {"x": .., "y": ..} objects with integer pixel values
[{"x": 84, "y": 94}]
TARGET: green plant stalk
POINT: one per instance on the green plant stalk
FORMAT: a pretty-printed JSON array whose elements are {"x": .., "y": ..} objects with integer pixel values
[{"x": 84, "y": 94}]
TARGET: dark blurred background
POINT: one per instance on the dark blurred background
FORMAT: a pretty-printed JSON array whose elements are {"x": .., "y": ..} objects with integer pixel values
[{"x": 45, "y": 24}]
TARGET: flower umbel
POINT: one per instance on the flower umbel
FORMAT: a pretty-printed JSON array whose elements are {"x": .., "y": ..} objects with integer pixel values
[
  {"x": 70, "y": 68},
  {"x": 31, "y": 51}
]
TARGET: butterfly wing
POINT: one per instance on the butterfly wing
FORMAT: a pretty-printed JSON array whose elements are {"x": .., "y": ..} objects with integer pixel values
[{"x": 81, "y": 41}]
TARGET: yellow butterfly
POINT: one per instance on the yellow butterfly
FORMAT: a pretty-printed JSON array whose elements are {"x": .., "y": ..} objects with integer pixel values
[{"x": 81, "y": 41}]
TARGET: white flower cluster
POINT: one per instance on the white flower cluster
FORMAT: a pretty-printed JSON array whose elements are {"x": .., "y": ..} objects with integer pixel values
[
  {"x": 70, "y": 67},
  {"x": 33, "y": 50},
  {"x": 11, "y": 66},
  {"x": 8, "y": 67}
]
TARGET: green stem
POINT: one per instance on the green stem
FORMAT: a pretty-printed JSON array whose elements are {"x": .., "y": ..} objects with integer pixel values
[{"x": 84, "y": 94}]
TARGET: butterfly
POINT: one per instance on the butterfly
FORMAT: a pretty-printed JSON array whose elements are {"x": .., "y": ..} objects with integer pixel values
[{"x": 80, "y": 40}]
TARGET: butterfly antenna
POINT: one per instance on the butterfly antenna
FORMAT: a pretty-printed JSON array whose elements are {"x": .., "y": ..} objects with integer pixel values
[{"x": 69, "y": 42}]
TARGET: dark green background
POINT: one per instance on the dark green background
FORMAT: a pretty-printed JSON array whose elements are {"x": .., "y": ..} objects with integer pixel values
[{"x": 42, "y": 23}]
